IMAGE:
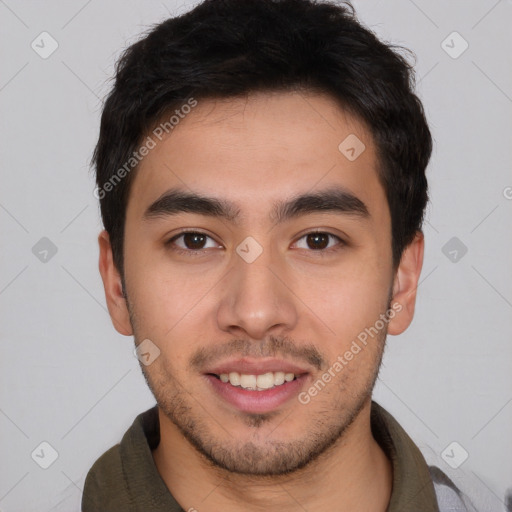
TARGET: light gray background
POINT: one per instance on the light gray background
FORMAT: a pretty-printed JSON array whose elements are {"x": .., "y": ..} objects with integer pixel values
[{"x": 69, "y": 379}]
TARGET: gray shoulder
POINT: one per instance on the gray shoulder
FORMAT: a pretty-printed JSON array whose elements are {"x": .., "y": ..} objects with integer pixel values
[{"x": 449, "y": 496}]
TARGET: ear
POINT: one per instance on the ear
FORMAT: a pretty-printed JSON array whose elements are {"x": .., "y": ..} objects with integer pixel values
[
  {"x": 406, "y": 284},
  {"x": 112, "y": 283}
]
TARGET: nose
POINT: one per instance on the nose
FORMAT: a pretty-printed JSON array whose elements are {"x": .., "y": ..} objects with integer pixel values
[{"x": 257, "y": 299}]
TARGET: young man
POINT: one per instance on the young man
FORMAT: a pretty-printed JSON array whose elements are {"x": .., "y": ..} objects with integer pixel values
[{"x": 261, "y": 174}]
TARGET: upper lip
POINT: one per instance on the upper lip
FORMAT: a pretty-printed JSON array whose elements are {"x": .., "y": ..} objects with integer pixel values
[{"x": 249, "y": 366}]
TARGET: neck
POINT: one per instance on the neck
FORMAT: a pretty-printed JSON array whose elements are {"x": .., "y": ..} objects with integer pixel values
[{"x": 354, "y": 474}]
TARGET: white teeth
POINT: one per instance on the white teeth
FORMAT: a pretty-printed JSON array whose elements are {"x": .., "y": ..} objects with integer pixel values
[
  {"x": 278, "y": 378},
  {"x": 248, "y": 381},
  {"x": 265, "y": 381},
  {"x": 234, "y": 378},
  {"x": 257, "y": 382}
]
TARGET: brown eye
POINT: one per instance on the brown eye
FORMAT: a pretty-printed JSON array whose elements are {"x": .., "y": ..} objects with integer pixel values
[
  {"x": 194, "y": 241},
  {"x": 317, "y": 240},
  {"x": 191, "y": 241}
]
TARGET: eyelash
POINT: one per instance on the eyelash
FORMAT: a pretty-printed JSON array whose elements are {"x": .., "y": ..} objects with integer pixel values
[{"x": 190, "y": 252}]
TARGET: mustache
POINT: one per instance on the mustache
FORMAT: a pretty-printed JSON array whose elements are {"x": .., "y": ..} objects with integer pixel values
[{"x": 271, "y": 346}]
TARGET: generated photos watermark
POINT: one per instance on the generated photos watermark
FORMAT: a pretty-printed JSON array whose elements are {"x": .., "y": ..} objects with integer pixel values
[
  {"x": 355, "y": 348},
  {"x": 149, "y": 143}
]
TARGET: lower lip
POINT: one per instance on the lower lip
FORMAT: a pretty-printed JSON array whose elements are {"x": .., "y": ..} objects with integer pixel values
[{"x": 257, "y": 402}]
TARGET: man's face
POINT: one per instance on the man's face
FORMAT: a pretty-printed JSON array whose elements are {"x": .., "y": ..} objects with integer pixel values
[{"x": 258, "y": 292}]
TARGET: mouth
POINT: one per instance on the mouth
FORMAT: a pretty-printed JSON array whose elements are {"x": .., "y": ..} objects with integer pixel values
[
  {"x": 253, "y": 382},
  {"x": 257, "y": 387}
]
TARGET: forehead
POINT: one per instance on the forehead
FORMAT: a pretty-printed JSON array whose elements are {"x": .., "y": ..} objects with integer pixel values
[{"x": 260, "y": 149}]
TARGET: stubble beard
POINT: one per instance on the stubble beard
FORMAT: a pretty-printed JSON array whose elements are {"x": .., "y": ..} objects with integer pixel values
[{"x": 266, "y": 458}]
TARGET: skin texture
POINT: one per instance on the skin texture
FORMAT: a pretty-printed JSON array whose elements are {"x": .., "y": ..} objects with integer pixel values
[{"x": 294, "y": 300}]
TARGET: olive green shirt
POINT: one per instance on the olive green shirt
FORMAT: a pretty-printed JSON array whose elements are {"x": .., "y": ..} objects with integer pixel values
[{"x": 125, "y": 478}]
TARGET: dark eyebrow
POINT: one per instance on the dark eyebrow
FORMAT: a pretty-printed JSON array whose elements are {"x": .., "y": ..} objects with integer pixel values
[
  {"x": 329, "y": 200},
  {"x": 332, "y": 199},
  {"x": 176, "y": 201}
]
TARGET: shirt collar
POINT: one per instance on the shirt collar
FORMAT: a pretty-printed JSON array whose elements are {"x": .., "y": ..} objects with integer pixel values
[{"x": 412, "y": 484}]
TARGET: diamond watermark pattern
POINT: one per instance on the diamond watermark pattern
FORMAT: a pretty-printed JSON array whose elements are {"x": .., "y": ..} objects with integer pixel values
[
  {"x": 44, "y": 250},
  {"x": 351, "y": 147},
  {"x": 454, "y": 455},
  {"x": 44, "y": 45},
  {"x": 454, "y": 45},
  {"x": 146, "y": 352},
  {"x": 249, "y": 250},
  {"x": 454, "y": 249},
  {"x": 44, "y": 455}
]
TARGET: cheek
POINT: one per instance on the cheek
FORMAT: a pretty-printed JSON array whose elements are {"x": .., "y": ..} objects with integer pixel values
[
  {"x": 163, "y": 303},
  {"x": 350, "y": 298},
  {"x": 172, "y": 306}
]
